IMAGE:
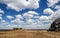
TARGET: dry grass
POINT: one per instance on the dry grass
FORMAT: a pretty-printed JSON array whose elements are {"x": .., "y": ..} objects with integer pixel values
[{"x": 29, "y": 34}]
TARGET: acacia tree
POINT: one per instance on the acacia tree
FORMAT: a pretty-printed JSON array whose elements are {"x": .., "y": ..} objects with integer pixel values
[
  {"x": 20, "y": 28},
  {"x": 15, "y": 28}
]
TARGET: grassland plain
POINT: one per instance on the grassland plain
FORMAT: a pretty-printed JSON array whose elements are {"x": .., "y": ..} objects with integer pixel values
[{"x": 29, "y": 34}]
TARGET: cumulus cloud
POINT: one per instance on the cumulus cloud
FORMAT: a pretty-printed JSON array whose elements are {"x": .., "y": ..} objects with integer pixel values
[
  {"x": 19, "y": 5},
  {"x": 48, "y": 11},
  {"x": 57, "y": 7},
  {"x": 19, "y": 16},
  {"x": 34, "y": 22},
  {"x": 44, "y": 18},
  {"x": 29, "y": 14},
  {"x": 52, "y": 2},
  {"x": 1, "y": 11},
  {"x": 18, "y": 20},
  {"x": 9, "y": 17},
  {"x": 31, "y": 20},
  {"x": 0, "y": 15},
  {"x": 47, "y": 20},
  {"x": 6, "y": 25},
  {"x": 0, "y": 18},
  {"x": 3, "y": 23},
  {"x": 56, "y": 14},
  {"x": 28, "y": 20}
]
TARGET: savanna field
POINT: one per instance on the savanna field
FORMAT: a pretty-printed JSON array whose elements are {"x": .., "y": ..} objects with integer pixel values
[{"x": 29, "y": 34}]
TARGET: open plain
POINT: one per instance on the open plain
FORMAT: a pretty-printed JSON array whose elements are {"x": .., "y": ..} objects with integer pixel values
[{"x": 29, "y": 34}]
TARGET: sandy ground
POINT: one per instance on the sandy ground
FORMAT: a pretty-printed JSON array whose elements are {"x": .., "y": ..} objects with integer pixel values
[{"x": 29, "y": 34}]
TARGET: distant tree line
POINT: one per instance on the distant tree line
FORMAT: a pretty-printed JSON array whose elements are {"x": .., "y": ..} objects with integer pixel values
[{"x": 17, "y": 28}]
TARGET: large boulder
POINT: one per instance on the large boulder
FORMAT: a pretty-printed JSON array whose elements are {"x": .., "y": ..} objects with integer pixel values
[{"x": 55, "y": 26}]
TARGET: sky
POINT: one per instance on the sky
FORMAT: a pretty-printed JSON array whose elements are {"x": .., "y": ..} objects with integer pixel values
[{"x": 28, "y": 14}]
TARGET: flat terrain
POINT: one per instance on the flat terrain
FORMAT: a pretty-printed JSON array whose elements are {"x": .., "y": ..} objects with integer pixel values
[{"x": 29, "y": 34}]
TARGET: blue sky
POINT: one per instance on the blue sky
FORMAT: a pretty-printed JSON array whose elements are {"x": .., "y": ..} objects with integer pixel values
[{"x": 31, "y": 14}]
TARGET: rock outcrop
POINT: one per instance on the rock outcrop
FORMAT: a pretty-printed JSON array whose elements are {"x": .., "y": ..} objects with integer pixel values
[{"x": 55, "y": 26}]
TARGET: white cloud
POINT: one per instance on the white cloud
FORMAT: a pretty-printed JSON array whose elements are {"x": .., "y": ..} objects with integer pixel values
[
  {"x": 38, "y": 22},
  {"x": 35, "y": 23},
  {"x": 0, "y": 18},
  {"x": 0, "y": 15},
  {"x": 31, "y": 21},
  {"x": 48, "y": 11},
  {"x": 52, "y": 2},
  {"x": 43, "y": 22},
  {"x": 44, "y": 18},
  {"x": 3, "y": 22},
  {"x": 29, "y": 14},
  {"x": 9, "y": 17},
  {"x": 1, "y": 11},
  {"x": 57, "y": 7},
  {"x": 18, "y": 19},
  {"x": 19, "y": 16},
  {"x": 32, "y": 12},
  {"x": 19, "y": 5},
  {"x": 55, "y": 15},
  {"x": 18, "y": 23}
]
